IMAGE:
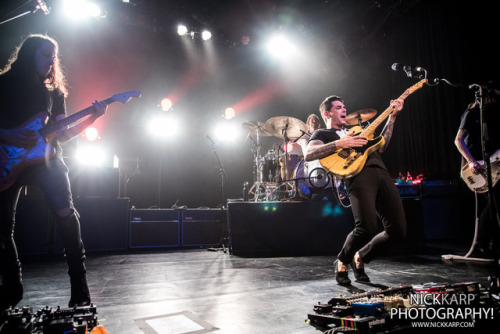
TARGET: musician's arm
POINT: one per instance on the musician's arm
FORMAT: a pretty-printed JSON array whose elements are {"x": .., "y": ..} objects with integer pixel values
[
  {"x": 464, "y": 150},
  {"x": 316, "y": 149},
  {"x": 72, "y": 131},
  {"x": 388, "y": 129}
]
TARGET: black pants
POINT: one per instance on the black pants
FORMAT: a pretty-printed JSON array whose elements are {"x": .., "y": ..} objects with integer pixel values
[
  {"x": 52, "y": 178},
  {"x": 373, "y": 196}
]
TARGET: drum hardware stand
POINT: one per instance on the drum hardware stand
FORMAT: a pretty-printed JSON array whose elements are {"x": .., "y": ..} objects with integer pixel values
[{"x": 224, "y": 235}]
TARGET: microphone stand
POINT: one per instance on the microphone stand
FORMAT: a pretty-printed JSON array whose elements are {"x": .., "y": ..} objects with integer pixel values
[
  {"x": 486, "y": 157},
  {"x": 26, "y": 12},
  {"x": 223, "y": 176},
  {"x": 491, "y": 198}
]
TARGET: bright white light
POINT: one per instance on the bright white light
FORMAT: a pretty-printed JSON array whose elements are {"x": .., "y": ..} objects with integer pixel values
[
  {"x": 91, "y": 155},
  {"x": 164, "y": 125},
  {"x": 79, "y": 9},
  {"x": 206, "y": 35},
  {"x": 229, "y": 113},
  {"x": 182, "y": 30},
  {"x": 227, "y": 132},
  {"x": 281, "y": 47},
  {"x": 91, "y": 133}
]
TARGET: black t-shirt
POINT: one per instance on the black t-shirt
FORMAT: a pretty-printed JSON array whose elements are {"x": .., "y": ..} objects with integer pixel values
[
  {"x": 470, "y": 122},
  {"x": 21, "y": 99},
  {"x": 330, "y": 135}
]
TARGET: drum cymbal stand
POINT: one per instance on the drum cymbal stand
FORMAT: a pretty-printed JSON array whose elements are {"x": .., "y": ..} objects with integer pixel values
[{"x": 260, "y": 169}]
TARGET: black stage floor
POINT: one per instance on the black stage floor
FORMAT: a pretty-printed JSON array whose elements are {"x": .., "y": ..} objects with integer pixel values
[{"x": 201, "y": 291}]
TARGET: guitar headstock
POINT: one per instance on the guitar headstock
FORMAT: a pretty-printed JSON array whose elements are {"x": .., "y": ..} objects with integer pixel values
[
  {"x": 126, "y": 96},
  {"x": 416, "y": 86}
]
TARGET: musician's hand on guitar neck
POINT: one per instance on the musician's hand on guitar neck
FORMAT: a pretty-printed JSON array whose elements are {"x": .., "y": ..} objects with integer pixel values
[
  {"x": 397, "y": 106},
  {"x": 20, "y": 137},
  {"x": 350, "y": 140},
  {"x": 100, "y": 108}
]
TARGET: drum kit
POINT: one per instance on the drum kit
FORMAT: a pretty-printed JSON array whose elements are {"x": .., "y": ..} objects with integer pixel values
[{"x": 281, "y": 173}]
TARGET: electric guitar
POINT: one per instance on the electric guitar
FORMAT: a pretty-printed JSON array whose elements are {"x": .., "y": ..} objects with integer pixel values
[
  {"x": 14, "y": 159},
  {"x": 479, "y": 182},
  {"x": 347, "y": 162}
]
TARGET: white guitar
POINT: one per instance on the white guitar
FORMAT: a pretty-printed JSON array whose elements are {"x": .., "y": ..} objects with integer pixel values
[
  {"x": 479, "y": 182},
  {"x": 14, "y": 159}
]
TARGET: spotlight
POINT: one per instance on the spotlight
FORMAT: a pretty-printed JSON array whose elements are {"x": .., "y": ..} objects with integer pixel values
[
  {"x": 281, "y": 47},
  {"x": 206, "y": 35},
  {"x": 182, "y": 30},
  {"x": 91, "y": 133},
  {"x": 164, "y": 125},
  {"x": 229, "y": 113},
  {"x": 166, "y": 104},
  {"x": 227, "y": 132},
  {"x": 91, "y": 155},
  {"x": 79, "y": 9}
]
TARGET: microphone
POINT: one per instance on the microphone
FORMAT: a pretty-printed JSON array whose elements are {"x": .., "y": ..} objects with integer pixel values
[
  {"x": 488, "y": 89},
  {"x": 211, "y": 140},
  {"x": 408, "y": 69},
  {"x": 43, "y": 7}
]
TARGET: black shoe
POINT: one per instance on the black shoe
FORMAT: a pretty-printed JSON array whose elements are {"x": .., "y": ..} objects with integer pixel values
[
  {"x": 359, "y": 273},
  {"x": 80, "y": 295},
  {"x": 10, "y": 295},
  {"x": 341, "y": 276}
]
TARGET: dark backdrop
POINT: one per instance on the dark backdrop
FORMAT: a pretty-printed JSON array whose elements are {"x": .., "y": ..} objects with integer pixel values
[{"x": 347, "y": 48}]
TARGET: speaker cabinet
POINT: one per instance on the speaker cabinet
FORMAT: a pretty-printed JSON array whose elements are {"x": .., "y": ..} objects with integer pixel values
[
  {"x": 154, "y": 228},
  {"x": 92, "y": 181},
  {"x": 103, "y": 223},
  {"x": 202, "y": 227}
]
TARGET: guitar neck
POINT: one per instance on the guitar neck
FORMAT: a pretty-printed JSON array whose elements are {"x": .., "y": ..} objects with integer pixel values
[
  {"x": 369, "y": 130},
  {"x": 56, "y": 126}
]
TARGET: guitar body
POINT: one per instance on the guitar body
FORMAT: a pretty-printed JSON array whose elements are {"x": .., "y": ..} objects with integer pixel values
[
  {"x": 347, "y": 162},
  {"x": 14, "y": 159},
  {"x": 479, "y": 182}
]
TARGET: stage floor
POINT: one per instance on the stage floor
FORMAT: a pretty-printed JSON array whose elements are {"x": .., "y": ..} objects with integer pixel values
[{"x": 201, "y": 291}]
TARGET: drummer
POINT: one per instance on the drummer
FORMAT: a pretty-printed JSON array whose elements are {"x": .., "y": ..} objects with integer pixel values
[{"x": 313, "y": 123}]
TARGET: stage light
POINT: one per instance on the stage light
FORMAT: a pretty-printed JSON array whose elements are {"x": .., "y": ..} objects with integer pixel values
[
  {"x": 229, "y": 113},
  {"x": 90, "y": 155},
  {"x": 166, "y": 104},
  {"x": 79, "y": 9},
  {"x": 227, "y": 132},
  {"x": 206, "y": 35},
  {"x": 91, "y": 133},
  {"x": 164, "y": 125},
  {"x": 182, "y": 30},
  {"x": 281, "y": 47}
]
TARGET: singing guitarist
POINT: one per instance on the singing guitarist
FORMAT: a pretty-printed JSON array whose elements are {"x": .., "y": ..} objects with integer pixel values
[
  {"x": 33, "y": 83},
  {"x": 372, "y": 192},
  {"x": 468, "y": 143}
]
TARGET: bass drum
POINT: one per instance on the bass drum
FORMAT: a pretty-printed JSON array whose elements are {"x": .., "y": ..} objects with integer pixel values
[{"x": 311, "y": 177}]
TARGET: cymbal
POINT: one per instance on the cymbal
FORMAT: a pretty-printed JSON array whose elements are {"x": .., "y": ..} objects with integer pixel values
[
  {"x": 254, "y": 127},
  {"x": 277, "y": 126},
  {"x": 360, "y": 116}
]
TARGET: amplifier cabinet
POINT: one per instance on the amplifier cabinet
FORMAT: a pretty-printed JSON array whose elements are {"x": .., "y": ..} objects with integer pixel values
[
  {"x": 203, "y": 227},
  {"x": 154, "y": 228}
]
